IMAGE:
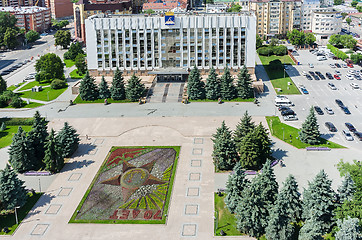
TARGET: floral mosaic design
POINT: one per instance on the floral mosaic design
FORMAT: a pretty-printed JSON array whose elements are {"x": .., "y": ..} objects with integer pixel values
[{"x": 132, "y": 184}]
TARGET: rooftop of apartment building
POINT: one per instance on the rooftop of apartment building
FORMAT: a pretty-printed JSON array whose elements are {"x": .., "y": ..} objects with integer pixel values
[
  {"x": 325, "y": 10},
  {"x": 23, "y": 10},
  {"x": 265, "y": 1},
  {"x": 106, "y": 5},
  {"x": 159, "y": 4}
]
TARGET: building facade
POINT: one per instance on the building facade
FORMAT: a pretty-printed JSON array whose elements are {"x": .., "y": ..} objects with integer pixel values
[
  {"x": 308, "y": 7},
  {"x": 326, "y": 22},
  {"x": 60, "y": 8},
  {"x": 16, "y": 3},
  {"x": 141, "y": 44},
  {"x": 30, "y": 18},
  {"x": 276, "y": 17}
]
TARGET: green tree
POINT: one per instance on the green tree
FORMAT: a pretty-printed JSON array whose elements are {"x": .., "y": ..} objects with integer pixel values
[
  {"x": 234, "y": 187},
  {"x": 347, "y": 189},
  {"x": 149, "y": 11},
  {"x": 49, "y": 67},
  {"x": 310, "y": 38},
  {"x": 37, "y": 137},
  {"x": 259, "y": 41},
  {"x": 62, "y": 38},
  {"x": 53, "y": 159},
  {"x": 338, "y": 2},
  {"x": 311, "y": 230},
  {"x": 235, "y": 8},
  {"x": 244, "y": 88},
  {"x": 32, "y": 36},
  {"x": 227, "y": 88},
  {"x": 353, "y": 4},
  {"x": 88, "y": 90},
  {"x": 348, "y": 41},
  {"x": 12, "y": 190},
  {"x": 7, "y": 20},
  {"x": 80, "y": 64},
  {"x": 359, "y": 8},
  {"x": 135, "y": 89},
  {"x": 280, "y": 50},
  {"x": 273, "y": 42},
  {"x": 291, "y": 196},
  {"x": 10, "y": 39},
  {"x": 117, "y": 88},
  {"x": 195, "y": 85},
  {"x": 335, "y": 40},
  {"x": 104, "y": 92},
  {"x": 267, "y": 185},
  {"x": 212, "y": 87},
  {"x": 74, "y": 50},
  {"x": 348, "y": 21},
  {"x": 309, "y": 133},
  {"x": 224, "y": 153},
  {"x": 356, "y": 58},
  {"x": 348, "y": 229},
  {"x": 3, "y": 85},
  {"x": 244, "y": 127},
  {"x": 68, "y": 140},
  {"x": 21, "y": 153},
  {"x": 296, "y": 37},
  {"x": 319, "y": 201}
]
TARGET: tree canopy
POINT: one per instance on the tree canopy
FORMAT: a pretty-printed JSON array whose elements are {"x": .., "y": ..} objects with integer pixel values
[
  {"x": 195, "y": 86},
  {"x": 31, "y": 36},
  {"x": 135, "y": 89},
  {"x": 73, "y": 51},
  {"x": 62, "y": 38},
  {"x": 309, "y": 133},
  {"x": 212, "y": 87},
  {"x": 88, "y": 90},
  {"x": 118, "y": 89},
  {"x": 49, "y": 67},
  {"x": 7, "y": 21}
]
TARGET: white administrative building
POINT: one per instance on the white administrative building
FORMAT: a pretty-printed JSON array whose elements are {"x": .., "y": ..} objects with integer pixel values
[{"x": 144, "y": 43}]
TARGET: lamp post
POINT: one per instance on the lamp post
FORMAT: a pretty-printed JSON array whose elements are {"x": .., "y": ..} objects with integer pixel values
[
  {"x": 16, "y": 216},
  {"x": 283, "y": 134},
  {"x": 39, "y": 186}
]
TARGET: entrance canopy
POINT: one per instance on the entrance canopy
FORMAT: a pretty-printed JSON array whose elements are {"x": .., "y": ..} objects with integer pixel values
[{"x": 170, "y": 75}]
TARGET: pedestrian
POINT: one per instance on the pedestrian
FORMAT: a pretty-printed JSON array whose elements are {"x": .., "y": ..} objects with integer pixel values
[{"x": 86, "y": 137}]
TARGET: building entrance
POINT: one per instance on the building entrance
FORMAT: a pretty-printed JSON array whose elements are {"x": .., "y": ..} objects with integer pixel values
[{"x": 171, "y": 75}]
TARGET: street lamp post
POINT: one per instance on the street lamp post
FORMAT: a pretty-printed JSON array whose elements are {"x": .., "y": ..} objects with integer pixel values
[
  {"x": 16, "y": 216},
  {"x": 39, "y": 186},
  {"x": 283, "y": 134}
]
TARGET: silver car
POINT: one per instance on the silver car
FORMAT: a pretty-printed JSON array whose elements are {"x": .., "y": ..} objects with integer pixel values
[
  {"x": 329, "y": 110},
  {"x": 347, "y": 135}
]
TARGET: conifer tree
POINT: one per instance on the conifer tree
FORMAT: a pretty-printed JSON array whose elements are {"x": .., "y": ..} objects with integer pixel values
[
  {"x": 319, "y": 201},
  {"x": 243, "y": 86},
  {"x": 234, "y": 187},
  {"x": 12, "y": 190},
  {"x": 212, "y": 87},
  {"x": 68, "y": 139},
  {"x": 37, "y": 137},
  {"x": 195, "y": 86},
  {"x": 134, "y": 89},
  {"x": 264, "y": 143},
  {"x": 53, "y": 159},
  {"x": 3, "y": 85},
  {"x": 104, "y": 92},
  {"x": 291, "y": 196},
  {"x": 311, "y": 230},
  {"x": 117, "y": 90},
  {"x": 347, "y": 189},
  {"x": 224, "y": 153},
  {"x": 227, "y": 88},
  {"x": 309, "y": 133},
  {"x": 245, "y": 126},
  {"x": 348, "y": 229},
  {"x": 21, "y": 153},
  {"x": 249, "y": 152},
  {"x": 88, "y": 90}
]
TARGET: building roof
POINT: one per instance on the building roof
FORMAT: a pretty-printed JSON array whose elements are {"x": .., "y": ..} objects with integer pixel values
[
  {"x": 23, "y": 10},
  {"x": 119, "y": 5},
  {"x": 159, "y": 4}
]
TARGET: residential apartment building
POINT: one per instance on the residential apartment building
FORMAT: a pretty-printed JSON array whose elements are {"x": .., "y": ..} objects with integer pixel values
[
  {"x": 306, "y": 14},
  {"x": 16, "y": 3},
  {"x": 60, "y": 8},
  {"x": 30, "y": 18},
  {"x": 276, "y": 17},
  {"x": 326, "y": 22},
  {"x": 172, "y": 43}
]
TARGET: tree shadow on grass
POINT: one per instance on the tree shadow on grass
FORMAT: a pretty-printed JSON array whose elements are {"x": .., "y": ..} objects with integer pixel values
[{"x": 326, "y": 137}]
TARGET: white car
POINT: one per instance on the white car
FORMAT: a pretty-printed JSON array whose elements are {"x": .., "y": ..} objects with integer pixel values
[
  {"x": 332, "y": 65},
  {"x": 344, "y": 65},
  {"x": 311, "y": 65},
  {"x": 338, "y": 73},
  {"x": 290, "y": 118},
  {"x": 332, "y": 86},
  {"x": 351, "y": 71},
  {"x": 304, "y": 73},
  {"x": 329, "y": 110},
  {"x": 354, "y": 86},
  {"x": 350, "y": 77},
  {"x": 347, "y": 135}
]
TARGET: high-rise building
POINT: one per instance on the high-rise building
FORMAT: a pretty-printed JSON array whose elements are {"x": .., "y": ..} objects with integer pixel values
[
  {"x": 16, "y": 3},
  {"x": 306, "y": 15},
  {"x": 172, "y": 43},
  {"x": 326, "y": 22}
]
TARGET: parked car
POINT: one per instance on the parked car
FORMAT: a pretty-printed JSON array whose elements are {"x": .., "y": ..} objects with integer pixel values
[
  {"x": 339, "y": 103},
  {"x": 315, "y": 77},
  {"x": 318, "y": 110},
  {"x": 308, "y": 77},
  {"x": 347, "y": 135},
  {"x": 311, "y": 65},
  {"x": 288, "y": 112},
  {"x": 337, "y": 77},
  {"x": 304, "y": 73},
  {"x": 344, "y": 65},
  {"x": 357, "y": 77},
  {"x": 330, "y": 126},
  {"x": 337, "y": 65},
  {"x": 354, "y": 86},
  {"x": 350, "y": 127},
  {"x": 358, "y": 135},
  {"x": 350, "y": 77},
  {"x": 290, "y": 118},
  {"x": 338, "y": 72},
  {"x": 346, "y": 110},
  {"x": 283, "y": 108},
  {"x": 332, "y": 65},
  {"x": 304, "y": 90},
  {"x": 350, "y": 65},
  {"x": 329, "y": 76},
  {"x": 329, "y": 110},
  {"x": 332, "y": 86}
]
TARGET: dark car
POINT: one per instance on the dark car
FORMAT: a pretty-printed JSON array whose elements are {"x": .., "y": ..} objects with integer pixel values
[
  {"x": 308, "y": 77},
  {"x": 329, "y": 76},
  {"x": 345, "y": 110},
  {"x": 316, "y": 77},
  {"x": 350, "y": 127},
  {"x": 283, "y": 108},
  {"x": 339, "y": 103},
  {"x": 311, "y": 73},
  {"x": 358, "y": 135},
  {"x": 288, "y": 112},
  {"x": 337, "y": 65},
  {"x": 318, "y": 110},
  {"x": 330, "y": 127}
]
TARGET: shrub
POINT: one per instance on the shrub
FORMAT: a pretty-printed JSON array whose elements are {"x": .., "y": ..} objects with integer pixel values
[
  {"x": 280, "y": 50},
  {"x": 265, "y": 51},
  {"x": 16, "y": 102},
  {"x": 58, "y": 84},
  {"x": 3, "y": 101},
  {"x": 17, "y": 121}
]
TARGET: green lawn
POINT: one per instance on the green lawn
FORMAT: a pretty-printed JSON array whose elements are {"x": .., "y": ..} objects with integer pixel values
[
  {"x": 47, "y": 94},
  {"x": 30, "y": 105},
  {"x": 33, "y": 84},
  {"x": 290, "y": 134},
  {"x": 110, "y": 100},
  {"x": 7, "y": 135},
  {"x": 13, "y": 87},
  {"x": 232, "y": 100},
  {"x": 69, "y": 63},
  {"x": 8, "y": 220},
  {"x": 225, "y": 220},
  {"x": 277, "y": 76},
  {"x": 74, "y": 74}
]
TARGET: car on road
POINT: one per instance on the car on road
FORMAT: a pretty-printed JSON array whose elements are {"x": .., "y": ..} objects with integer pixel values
[
  {"x": 347, "y": 135},
  {"x": 308, "y": 77},
  {"x": 330, "y": 126},
  {"x": 329, "y": 110},
  {"x": 304, "y": 90},
  {"x": 332, "y": 86},
  {"x": 354, "y": 86},
  {"x": 358, "y": 135},
  {"x": 288, "y": 112},
  {"x": 337, "y": 65},
  {"x": 339, "y": 103},
  {"x": 290, "y": 118},
  {"x": 311, "y": 65},
  {"x": 346, "y": 110},
  {"x": 337, "y": 77},
  {"x": 350, "y": 65},
  {"x": 318, "y": 110},
  {"x": 350, "y": 127},
  {"x": 332, "y": 65},
  {"x": 329, "y": 76}
]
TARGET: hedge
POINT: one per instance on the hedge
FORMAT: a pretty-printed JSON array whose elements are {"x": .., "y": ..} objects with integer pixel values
[{"x": 338, "y": 53}]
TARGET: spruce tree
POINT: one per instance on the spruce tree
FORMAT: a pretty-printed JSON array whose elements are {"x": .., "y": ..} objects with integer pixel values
[
  {"x": 309, "y": 133},
  {"x": 319, "y": 201},
  {"x": 249, "y": 152},
  {"x": 234, "y": 187},
  {"x": 37, "y": 137},
  {"x": 291, "y": 196},
  {"x": 88, "y": 90},
  {"x": 53, "y": 159},
  {"x": 243, "y": 86},
  {"x": 134, "y": 89},
  {"x": 311, "y": 230},
  {"x": 117, "y": 89},
  {"x": 227, "y": 88},
  {"x": 3, "y": 85},
  {"x": 21, "y": 153},
  {"x": 212, "y": 87},
  {"x": 12, "y": 190},
  {"x": 347, "y": 189},
  {"x": 68, "y": 139},
  {"x": 104, "y": 92},
  {"x": 348, "y": 229},
  {"x": 245, "y": 126},
  {"x": 264, "y": 142},
  {"x": 195, "y": 86},
  {"x": 224, "y": 153}
]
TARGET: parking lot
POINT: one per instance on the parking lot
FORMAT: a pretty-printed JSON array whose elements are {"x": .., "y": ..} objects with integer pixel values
[{"x": 321, "y": 95}]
